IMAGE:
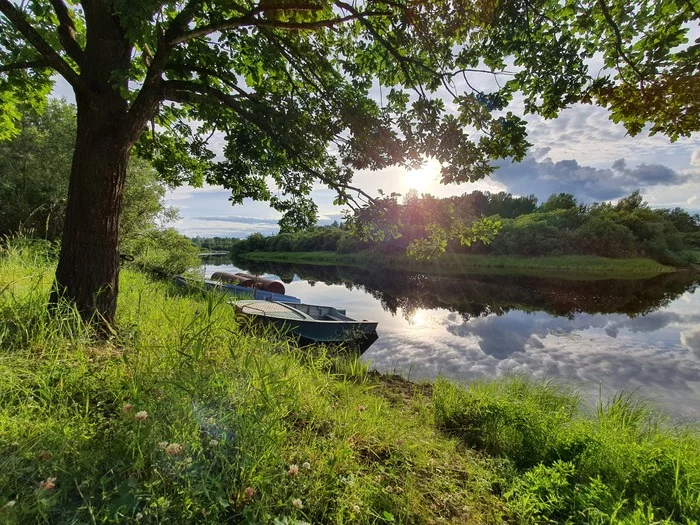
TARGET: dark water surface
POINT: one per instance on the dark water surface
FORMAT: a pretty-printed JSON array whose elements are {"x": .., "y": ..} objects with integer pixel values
[{"x": 601, "y": 336}]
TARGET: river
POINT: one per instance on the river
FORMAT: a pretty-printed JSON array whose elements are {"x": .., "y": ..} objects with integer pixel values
[{"x": 603, "y": 337}]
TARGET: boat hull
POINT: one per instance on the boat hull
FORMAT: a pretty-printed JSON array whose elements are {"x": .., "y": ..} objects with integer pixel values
[{"x": 358, "y": 335}]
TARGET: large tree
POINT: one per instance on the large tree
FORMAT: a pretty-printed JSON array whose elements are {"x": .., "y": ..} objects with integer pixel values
[{"x": 306, "y": 91}]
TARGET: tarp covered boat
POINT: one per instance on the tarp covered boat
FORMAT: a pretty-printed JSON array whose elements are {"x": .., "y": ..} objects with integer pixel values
[
  {"x": 237, "y": 290},
  {"x": 311, "y": 323},
  {"x": 249, "y": 281}
]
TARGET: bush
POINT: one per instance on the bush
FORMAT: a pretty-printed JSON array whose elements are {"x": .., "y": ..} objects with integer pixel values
[{"x": 163, "y": 252}]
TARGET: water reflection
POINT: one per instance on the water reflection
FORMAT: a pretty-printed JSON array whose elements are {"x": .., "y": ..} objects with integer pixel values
[{"x": 601, "y": 335}]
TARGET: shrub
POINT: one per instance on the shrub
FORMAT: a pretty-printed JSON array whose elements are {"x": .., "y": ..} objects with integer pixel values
[{"x": 163, "y": 252}]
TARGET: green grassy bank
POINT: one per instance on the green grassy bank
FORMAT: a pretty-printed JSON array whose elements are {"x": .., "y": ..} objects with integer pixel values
[
  {"x": 574, "y": 266},
  {"x": 186, "y": 417}
]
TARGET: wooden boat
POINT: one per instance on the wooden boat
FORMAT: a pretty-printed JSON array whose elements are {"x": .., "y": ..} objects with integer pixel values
[
  {"x": 311, "y": 323},
  {"x": 237, "y": 290},
  {"x": 249, "y": 281}
]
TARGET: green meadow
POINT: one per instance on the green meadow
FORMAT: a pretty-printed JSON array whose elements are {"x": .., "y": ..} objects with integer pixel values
[{"x": 185, "y": 416}]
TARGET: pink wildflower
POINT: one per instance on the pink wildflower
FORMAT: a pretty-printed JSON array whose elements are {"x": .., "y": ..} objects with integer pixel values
[
  {"x": 141, "y": 416},
  {"x": 362, "y": 408},
  {"x": 48, "y": 484},
  {"x": 249, "y": 493},
  {"x": 293, "y": 470},
  {"x": 128, "y": 407}
]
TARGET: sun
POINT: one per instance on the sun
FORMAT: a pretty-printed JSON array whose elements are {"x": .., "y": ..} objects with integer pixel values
[{"x": 422, "y": 180}]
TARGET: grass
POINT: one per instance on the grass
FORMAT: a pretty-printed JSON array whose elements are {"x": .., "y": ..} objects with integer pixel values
[
  {"x": 570, "y": 266},
  {"x": 186, "y": 417}
]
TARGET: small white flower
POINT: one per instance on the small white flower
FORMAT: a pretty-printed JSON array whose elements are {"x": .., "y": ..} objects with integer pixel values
[
  {"x": 139, "y": 516},
  {"x": 174, "y": 449},
  {"x": 10, "y": 504},
  {"x": 293, "y": 470},
  {"x": 141, "y": 416},
  {"x": 213, "y": 442},
  {"x": 297, "y": 503},
  {"x": 163, "y": 445},
  {"x": 306, "y": 465}
]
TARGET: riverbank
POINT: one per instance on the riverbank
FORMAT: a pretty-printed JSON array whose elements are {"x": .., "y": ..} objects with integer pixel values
[
  {"x": 563, "y": 267},
  {"x": 185, "y": 417}
]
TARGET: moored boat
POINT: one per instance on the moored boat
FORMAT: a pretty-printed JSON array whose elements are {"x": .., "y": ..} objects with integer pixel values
[
  {"x": 237, "y": 290},
  {"x": 311, "y": 323}
]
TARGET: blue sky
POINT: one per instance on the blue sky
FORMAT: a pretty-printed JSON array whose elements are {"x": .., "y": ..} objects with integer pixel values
[{"x": 581, "y": 152}]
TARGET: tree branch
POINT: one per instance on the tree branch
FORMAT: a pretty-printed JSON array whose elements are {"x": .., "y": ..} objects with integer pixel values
[
  {"x": 29, "y": 64},
  {"x": 67, "y": 31},
  {"x": 618, "y": 41},
  {"x": 186, "y": 92},
  {"x": 251, "y": 21},
  {"x": 400, "y": 59},
  {"x": 150, "y": 94},
  {"x": 17, "y": 19}
]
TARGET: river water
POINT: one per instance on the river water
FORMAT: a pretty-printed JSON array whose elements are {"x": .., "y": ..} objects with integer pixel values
[{"x": 604, "y": 337}]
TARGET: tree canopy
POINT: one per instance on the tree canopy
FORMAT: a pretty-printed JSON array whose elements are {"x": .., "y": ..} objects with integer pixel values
[
  {"x": 298, "y": 93},
  {"x": 310, "y": 91}
]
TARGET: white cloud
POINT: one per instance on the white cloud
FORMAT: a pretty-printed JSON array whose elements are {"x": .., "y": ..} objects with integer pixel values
[{"x": 695, "y": 157}]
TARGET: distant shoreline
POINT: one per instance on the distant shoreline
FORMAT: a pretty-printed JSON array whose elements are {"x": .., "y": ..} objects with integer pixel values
[{"x": 562, "y": 267}]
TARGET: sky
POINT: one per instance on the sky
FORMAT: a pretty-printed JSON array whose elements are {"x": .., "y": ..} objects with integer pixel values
[{"x": 580, "y": 152}]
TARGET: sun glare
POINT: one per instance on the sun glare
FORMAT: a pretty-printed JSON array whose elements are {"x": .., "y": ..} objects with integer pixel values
[{"x": 422, "y": 180}]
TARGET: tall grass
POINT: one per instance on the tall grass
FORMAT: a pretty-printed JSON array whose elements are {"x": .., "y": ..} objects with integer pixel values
[
  {"x": 625, "y": 465},
  {"x": 183, "y": 417},
  {"x": 571, "y": 266}
]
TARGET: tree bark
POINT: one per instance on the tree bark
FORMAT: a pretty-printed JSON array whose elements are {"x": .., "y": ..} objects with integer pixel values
[{"x": 88, "y": 267}]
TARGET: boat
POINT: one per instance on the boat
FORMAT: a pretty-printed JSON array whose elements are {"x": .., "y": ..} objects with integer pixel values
[
  {"x": 249, "y": 281},
  {"x": 310, "y": 323},
  {"x": 237, "y": 290}
]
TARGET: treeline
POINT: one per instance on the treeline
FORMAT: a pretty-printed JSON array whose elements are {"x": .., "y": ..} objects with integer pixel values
[
  {"x": 558, "y": 226},
  {"x": 35, "y": 168},
  {"x": 214, "y": 244}
]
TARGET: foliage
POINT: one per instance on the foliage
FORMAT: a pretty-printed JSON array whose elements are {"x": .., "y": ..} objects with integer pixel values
[
  {"x": 162, "y": 251},
  {"x": 35, "y": 169},
  {"x": 232, "y": 418},
  {"x": 282, "y": 82},
  {"x": 427, "y": 226},
  {"x": 623, "y": 466}
]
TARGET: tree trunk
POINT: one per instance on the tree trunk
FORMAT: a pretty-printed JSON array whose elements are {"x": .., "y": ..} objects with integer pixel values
[{"x": 88, "y": 268}]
